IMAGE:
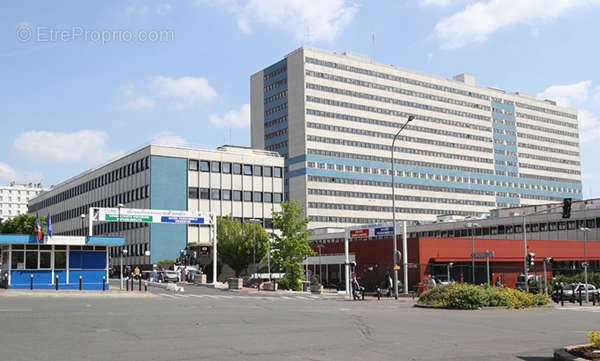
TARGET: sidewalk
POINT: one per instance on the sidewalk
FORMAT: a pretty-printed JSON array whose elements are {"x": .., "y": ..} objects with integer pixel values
[{"x": 75, "y": 293}]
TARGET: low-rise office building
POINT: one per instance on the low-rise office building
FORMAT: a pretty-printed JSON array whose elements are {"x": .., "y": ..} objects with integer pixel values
[{"x": 243, "y": 182}]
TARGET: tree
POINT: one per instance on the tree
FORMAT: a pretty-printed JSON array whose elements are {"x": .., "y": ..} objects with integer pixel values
[
  {"x": 290, "y": 247},
  {"x": 236, "y": 243},
  {"x": 21, "y": 224}
]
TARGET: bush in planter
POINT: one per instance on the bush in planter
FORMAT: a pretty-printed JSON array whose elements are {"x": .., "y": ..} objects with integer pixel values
[
  {"x": 314, "y": 280},
  {"x": 467, "y": 296},
  {"x": 594, "y": 337},
  {"x": 283, "y": 284}
]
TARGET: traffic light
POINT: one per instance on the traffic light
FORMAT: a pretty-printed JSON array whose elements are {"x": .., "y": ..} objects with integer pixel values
[
  {"x": 397, "y": 257},
  {"x": 567, "y": 208},
  {"x": 531, "y": 259}
]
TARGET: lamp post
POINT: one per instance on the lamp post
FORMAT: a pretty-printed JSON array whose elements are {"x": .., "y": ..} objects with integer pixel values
[
  {"x": 585, "y": 263},
  {"x": 410, "y": 118},
  {"x": 123, "y": 253},
  {"x": 472, "y": 226},
  {"x": 82, "y": 224},
  {"x": 255, "y": 221},
  {"x": 320, "y": 246},
  {"x": 448, "y": 270}
]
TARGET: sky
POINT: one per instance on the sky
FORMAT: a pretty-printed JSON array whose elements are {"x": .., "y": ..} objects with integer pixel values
[{"x": 85, "y": 82}]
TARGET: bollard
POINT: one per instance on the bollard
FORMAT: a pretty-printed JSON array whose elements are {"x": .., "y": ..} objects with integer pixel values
[
  {"x": 103, "y": 283},
  {"x": 594, "y": 299},
  {"x": 131, "y": 283},
  {"x": 140, "y": 284},
  {"x": 56, "y": 282},
  {"x": 31, "y": 282},
  {"x": 580, "y": 300},
  {"x": 126, "y": 284},
  {"x": 562, "y": 300},
  {"x": 145, "y": 286},
  {"x": 378, "y": 294},
  {"x": 80, "y": 279},
  {"x": 362, "y": 294}
]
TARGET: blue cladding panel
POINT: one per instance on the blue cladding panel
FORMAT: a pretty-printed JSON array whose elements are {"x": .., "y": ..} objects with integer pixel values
[
  {"x": 42, "y": 279},
  {"x": 87, "y": 260},
  {"x": 168, "y": 190}
]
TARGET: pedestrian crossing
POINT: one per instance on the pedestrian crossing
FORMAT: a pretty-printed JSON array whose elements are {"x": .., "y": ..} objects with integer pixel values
[
  {"x": 581, "y": 309},
  {"x": 179, "y": 296}
]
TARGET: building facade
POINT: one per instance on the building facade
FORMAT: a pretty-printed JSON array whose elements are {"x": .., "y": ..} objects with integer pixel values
[
  {"x": 242, "y": 182},
  {"x": 14, "y": 198},
  {"x": 469, "y": 149}
]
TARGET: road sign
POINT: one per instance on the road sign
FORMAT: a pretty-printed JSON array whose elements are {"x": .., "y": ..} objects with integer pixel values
[
  {"x": 384, "y": 231},
  {"x": 483, "y": 254},
  {"x": 309, "y": 273},
  {"x": 359, "y": 233},
  {"x": 184, "y": 220},
  {"x": 396, "y": 267},
  {"x": 150, "y": 216}
]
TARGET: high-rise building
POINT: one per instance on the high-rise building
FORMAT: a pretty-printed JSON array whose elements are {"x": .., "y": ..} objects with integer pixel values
[
  {"x": 238, "y": 181},
  {"x": 14, "y": 198},
  {"x": 469, "y": 149}
]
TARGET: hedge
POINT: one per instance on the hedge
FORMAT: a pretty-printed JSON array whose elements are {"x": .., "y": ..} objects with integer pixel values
[{"x": 468, "y": 297}]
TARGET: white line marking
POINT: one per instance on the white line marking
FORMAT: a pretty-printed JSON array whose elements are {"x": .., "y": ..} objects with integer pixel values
[
  {"x": 16, "y": 310},
  {"x": 167, "y": 295}
]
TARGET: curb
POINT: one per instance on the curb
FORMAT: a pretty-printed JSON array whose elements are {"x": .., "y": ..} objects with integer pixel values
[
  {"x": 562, "y": 354},
  {"x": 96, "y": 294}
]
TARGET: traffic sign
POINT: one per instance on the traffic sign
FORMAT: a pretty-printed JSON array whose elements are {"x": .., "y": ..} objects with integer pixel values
[
  {"x": 396, "y": 267},
  {"x": 359, "y": 233},
  {"x": 309, "y": 273},
  {"x": 384, "y": 231}
]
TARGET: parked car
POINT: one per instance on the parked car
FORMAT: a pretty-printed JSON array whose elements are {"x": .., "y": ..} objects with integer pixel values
[
  {"x": 521, "y": 281},
  {"x": 571, "y": 292},
  {"x": 170, "y": 276}
]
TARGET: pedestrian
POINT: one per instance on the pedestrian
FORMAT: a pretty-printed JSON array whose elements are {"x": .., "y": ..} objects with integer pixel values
[
  {"x": 389, "y": 284},
  {"x": 356, "y": 288},
  {"x": 154, "y": 274},
  {"x": 498, "y": 282},
  {"x": 136, "y": 272}
]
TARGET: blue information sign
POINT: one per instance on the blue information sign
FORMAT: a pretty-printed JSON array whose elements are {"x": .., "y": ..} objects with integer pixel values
[
  {"x": 384, "y": 231},
  {"x": 182, "y": 220}
]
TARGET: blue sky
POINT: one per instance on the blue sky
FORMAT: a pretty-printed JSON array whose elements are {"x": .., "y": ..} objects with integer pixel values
[{"x": 83, "y": 82}]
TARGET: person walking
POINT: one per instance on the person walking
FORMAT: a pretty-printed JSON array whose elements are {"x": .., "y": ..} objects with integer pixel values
[
  {"x": 355, "y": 288},
  {"x": 389, "y": 283}
]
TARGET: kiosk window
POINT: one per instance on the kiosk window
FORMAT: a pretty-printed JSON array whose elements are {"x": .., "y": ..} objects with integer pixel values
[
  {"x": 31, "y": 259},
  {"x": 44, "y": 259},
  {"x": 60, "y": 260},
  {"x": 18, "y": 259}
]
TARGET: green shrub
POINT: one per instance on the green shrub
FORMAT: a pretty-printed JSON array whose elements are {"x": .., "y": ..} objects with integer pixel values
[
  {"x": 467, "y": 296},
  {"x": 594, "y": 337},
  {"x": 283, "y": 284}
]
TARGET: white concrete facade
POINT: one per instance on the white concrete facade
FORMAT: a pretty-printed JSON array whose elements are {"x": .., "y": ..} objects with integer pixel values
[
  {"x": 14, "y": 198},
  {"x": 470, "y": 148}
]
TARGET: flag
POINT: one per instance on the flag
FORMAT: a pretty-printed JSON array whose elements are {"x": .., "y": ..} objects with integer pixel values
[
  {"x": 49, "y": 225},
  {"x": 39, "y": 227}
]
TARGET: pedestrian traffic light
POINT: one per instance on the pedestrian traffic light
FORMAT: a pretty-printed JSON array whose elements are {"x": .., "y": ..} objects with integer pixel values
[
  {"x": 531, "y": 259},
  {"x": 567, "y": 208},
  {"x": 397, "y": 257}
]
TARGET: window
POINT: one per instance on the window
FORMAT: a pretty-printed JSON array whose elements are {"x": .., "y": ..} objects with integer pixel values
[
  {"x": 226, "y": 194},
  {"x": 247, "y": 196},
  {"x": 215, "y": 167},
  {"x": 44, "y": 259},
  {"x": 193, "y": 192},
  {"x": 204, "y": 193},
  {"x": 226, "y": 167},
  {"x": 247, "y": 169},
  {"x": 268, "y": 197},
  {"x": 277, "y": 172},
  {"x": 204, "y": 166},
  {"x": 257, "y": 196},
  {"x": 276, "y": 197},
  {"x": 258, "y": 170},
  {"x": 237, "y": 195},
  {"x": 18, "y": 259},
  {"x": 268, "y": 171},
  {"x": 193, "y": 164},
  {"x": 31, "y": 259},
  {"x": 237, "y": 168},
  {"x": 215, "y": 194}
]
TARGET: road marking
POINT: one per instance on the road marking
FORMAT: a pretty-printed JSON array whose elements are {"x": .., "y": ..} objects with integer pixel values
[
  {"x": 167, "y": 295},
  {"x": 16, "y": 310}
]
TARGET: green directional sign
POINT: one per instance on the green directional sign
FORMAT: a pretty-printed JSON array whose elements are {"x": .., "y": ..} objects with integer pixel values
[{"x": 128, "y": 218}]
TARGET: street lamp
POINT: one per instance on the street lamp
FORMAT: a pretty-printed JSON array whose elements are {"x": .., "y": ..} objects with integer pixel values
[
  {"x": 320, "y": 246},
  {"x": 255, "y": 221},
  {"x": 585, "y": 263},
  {"x": 82, "y": 224},
  {"x": 123, "y": 253},
  {"x": 472, "y": 226},
  {"x": 450, "y": 265},
  {"x": 410, "y": 118}
]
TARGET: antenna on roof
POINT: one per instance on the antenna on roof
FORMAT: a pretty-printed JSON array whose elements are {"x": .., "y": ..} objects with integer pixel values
[
  {"x": 373, "y": 44},
  {"x": 307, "y": 36}
]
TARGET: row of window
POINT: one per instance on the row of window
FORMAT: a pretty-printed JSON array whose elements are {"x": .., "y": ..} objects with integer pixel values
[
  {"x": 382, "y": 99},
  {"x": 272, "y": 98},
  {"x": 547, "y": 120},
  {"x": 275, "y": 134},
  {"x": 106, "y": 228},
  {"x": 233, "y": 195},
  {"x": 503, "y": 111},
  {"x": 369, "y": 208},
  {"x": 400, "y": 79},
  {"x": 34, "y": 257},
  {"x": 138, "y": 249},
  {"x": 277, "y": 146},
  {"x": 548, "y": 149},
  {"x": 547, "y": 139},
  {"x": 392, "y": 89},
  {"x": 276, "y": 109},
  {"x": 552, "y": 179},
  {"x": 276, "y": 121},
  {"x": 277, "y": 84},
  {"x": 408, "y": 139},
  {"x": 124, "y": 197},
  {"x": 547, "y": 130},
  {"x": 234, "y": 168},
  {"x": 547, "y": 110},
  {"x": 385, "y": 196},
  {"x": 117, "y": 174},
  {"x": 549, "y": 159},
  {"x": 549, "y": 169},
  {"x": 274, "y": 73}
]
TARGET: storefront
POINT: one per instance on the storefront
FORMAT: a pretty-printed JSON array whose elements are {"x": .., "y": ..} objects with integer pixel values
[{"x": 66, "y": 261}]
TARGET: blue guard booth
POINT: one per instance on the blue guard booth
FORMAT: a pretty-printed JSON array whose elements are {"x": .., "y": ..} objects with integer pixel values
[{"x": 26, "y": 261}]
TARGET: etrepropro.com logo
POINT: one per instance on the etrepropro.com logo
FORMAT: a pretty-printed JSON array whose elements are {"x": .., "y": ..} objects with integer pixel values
[{"x": 26, "y": 32}]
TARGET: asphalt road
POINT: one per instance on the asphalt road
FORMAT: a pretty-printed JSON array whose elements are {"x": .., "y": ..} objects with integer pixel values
[{"x": 206, "y": 324}]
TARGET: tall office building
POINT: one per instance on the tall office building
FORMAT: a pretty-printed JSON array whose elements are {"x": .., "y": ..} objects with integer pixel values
[
  {"x": 238, "y": 181},
  {"x": 14, "y": 198},
  {"x": 469, "y": 149}
]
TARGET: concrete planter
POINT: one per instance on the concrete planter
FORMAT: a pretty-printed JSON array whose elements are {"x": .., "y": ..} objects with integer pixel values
[
  {"x": 269, "y": 286},
  {"x": 316, "y": 288},
  {"x": 563, "y": 354},
  {"x": 235, "y": 283},
  {"x": 200, "y": 279}
]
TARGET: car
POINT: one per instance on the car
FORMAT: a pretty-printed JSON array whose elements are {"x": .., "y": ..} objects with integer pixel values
[
  {"x": 170, "y": 276},
  {"x": 571, "y": 292},
  {"x": 521, "y": 281}
]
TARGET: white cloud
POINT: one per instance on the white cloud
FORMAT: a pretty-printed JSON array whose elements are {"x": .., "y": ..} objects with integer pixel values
[
  {"x": 235, "y": 117},
  {"x": 8, "y": 174},
  {"x": 88, "y": 145},
  {"x": 315, "y": 20},
  {"x": 169, "y": 138},
  {"x": 441, "y": 3},
  {"x": 589, "y": 126},
  {"x": 477, "y": 21},
  {"x": 163, "y": 9},
  {"x": 185, "y": 91},
  {"x": 569, "y": 94},
  {"x": 140, "y": 102}
]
